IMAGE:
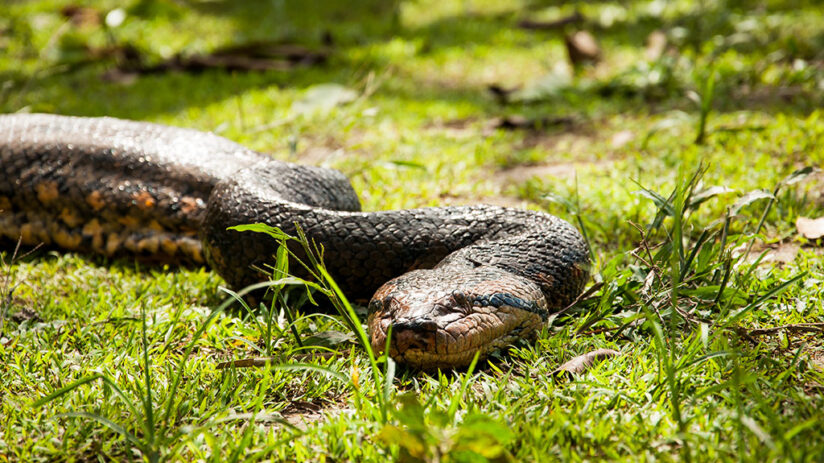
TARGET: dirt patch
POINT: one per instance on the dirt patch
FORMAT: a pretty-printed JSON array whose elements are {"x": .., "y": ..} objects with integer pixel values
[
  {"x": 520, "y": 174},
  {"x": 536, "y": 130},
  {"x": 776, "y": 253},
  {"x": 303, "y": 414},
  {"x": 576, "y": 139},
  {"x": 457, "y": 129},
  {"x": 498, "y": 200},
  {"x": 318, "y": 155}
]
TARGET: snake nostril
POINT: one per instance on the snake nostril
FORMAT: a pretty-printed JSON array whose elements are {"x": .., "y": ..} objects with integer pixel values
[
  {"x": 417, "y": 325},
  {"x": 413, "y": 334}
]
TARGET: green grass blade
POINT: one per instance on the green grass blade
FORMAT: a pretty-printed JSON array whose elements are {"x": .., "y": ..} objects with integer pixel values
[
  {"x": 66, "y": 389},
  {"x": 456, "y": 401},
  {"x": 148, "y": 403},
  {"x": 139, "y": 444}
]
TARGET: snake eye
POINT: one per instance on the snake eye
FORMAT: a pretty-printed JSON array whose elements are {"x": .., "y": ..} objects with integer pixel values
[
  {"x": 460, "y": 298},
  {"x": 374, "y": 306}
]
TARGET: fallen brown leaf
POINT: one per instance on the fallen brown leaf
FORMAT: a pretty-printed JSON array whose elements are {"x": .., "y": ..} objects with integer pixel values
[
  {"x": 582, "y": 363},
  {"x": 656, "y": 45},
  {"x": 620, "y": 139},
  {"x": 812, "y": 229},
  {"x": 770, "y": 254},
  {"x": 582, "y": 48}
]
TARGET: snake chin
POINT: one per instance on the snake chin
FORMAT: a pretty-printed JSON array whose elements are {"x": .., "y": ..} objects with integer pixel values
[
  {"x": 426, "y": 345},
  {"x": 446, "y": 330}
]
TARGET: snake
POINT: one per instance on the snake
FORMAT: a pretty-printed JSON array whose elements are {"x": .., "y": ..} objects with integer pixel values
[{"x": 448, "y": 283}]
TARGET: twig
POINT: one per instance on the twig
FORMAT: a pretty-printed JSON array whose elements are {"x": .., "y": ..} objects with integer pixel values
[
  {"x": 745, "y": 335},
  {"x": 793, "y": 328},
  {"x": 248, "y": 363},
  {"x": 653, "y": 268},
  {"x": 589, "y": 292},
  {"x": 257, "y": 362}
]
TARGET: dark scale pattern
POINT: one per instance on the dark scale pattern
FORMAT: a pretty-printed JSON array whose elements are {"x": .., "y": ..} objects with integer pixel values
[{"x": 447, "y": 281}]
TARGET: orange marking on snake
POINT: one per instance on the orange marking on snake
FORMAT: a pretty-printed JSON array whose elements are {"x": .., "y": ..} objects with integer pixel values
[
  {"x": 47, "y": 191},
  {"x": 144, "y": 200},
  {"x": 95, "y": 200}
]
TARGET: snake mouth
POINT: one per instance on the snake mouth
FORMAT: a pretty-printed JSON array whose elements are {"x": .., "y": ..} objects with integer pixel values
[{"x": 427, "y": 344}]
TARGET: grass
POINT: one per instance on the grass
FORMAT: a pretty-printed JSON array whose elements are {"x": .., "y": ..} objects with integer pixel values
[{"x": 717, "y": 362}]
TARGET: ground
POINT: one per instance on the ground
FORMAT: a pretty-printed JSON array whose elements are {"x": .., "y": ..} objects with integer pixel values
[{"x": 721, "y": 353}]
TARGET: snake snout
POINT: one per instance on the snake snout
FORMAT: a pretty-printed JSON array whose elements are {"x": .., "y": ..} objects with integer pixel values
[{"x": 413, "y": 334}]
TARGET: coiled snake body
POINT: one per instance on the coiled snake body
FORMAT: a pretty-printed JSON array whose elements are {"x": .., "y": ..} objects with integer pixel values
[{"x": 449, "y": 281}]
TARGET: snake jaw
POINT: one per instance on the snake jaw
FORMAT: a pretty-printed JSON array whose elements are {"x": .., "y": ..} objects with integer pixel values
[
  {"x": 446, "y": 331},
  {"x": 428, "y": 345}
]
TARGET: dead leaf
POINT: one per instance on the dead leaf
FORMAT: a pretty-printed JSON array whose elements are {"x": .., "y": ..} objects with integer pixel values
[
  {"x": 798, "y": 175},
  {"x": 812, "y": 229},
  {"x": 749, "y": 198},
  {"x": 582, "y": 48},
  {"x": 620, "y": 139},
  {"x": 582, "y": 363},
  {"x": 706, "y": 194},
  {"x": 656, "y": 45},
  {"x": 330, "y": 339},
  {"x": 779, "y": 253}
]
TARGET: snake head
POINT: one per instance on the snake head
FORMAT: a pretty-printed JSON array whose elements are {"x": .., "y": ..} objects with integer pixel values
[{"x": 440, "y": 321}]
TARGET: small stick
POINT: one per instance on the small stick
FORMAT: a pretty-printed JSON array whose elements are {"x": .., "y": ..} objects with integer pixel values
[
  {"x": 257, "y": 362},
  {"x": 794, "y": 328}
]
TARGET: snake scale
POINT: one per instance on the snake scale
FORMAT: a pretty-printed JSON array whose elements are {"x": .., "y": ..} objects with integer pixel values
[{"x": 449, "y": 281}]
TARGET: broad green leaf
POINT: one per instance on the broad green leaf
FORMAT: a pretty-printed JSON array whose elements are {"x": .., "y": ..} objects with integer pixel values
[
  {"x": 797, "y": 176},
  {"x": 748, "y": 199},
  {"x": 331, "y": 339}
]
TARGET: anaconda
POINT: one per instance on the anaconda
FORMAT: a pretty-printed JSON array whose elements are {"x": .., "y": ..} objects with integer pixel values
[{"x": 449, "y": 281}]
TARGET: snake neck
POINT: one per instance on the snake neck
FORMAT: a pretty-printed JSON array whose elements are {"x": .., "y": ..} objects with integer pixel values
[{"x": 363, "y": 250}]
